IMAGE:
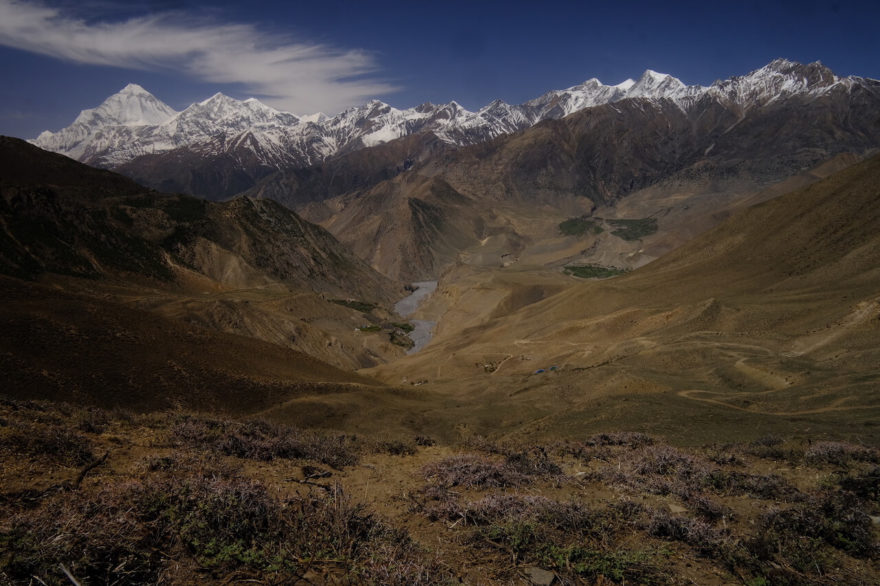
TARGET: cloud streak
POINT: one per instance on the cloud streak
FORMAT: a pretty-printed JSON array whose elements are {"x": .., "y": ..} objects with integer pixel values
[{"x": 297, "y": 76}]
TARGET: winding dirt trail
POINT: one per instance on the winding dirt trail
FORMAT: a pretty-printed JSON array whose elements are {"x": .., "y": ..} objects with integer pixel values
[
  {"x": 835, "y": 406},
  {"x": 811, "y": 342}
]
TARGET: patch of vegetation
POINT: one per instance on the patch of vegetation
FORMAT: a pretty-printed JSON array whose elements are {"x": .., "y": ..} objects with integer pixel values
[
  {"x": 580, "y": 226},
  {"x": 362, "y": 306},
  {"x": 865, "y": 485},
  {"x": 55, "y": 443},
  {"x": 184, "y": 498},
  {"x": 472, "y": 471},
  {"x": 594, "y": 564},
  {"x": 259, "y": 440},
  {"x": 565, "y": 536},
  {"x": 212, "y": 523},
  {"x": 425, "y": 441},
  {"x": 405, "y": 326},
  {"x": 370, "y": 328},
  {"x": 593, "y": 271},
  {"x": 705, "y": 538},
  {"x": 634, "y": 229},
  {"x": 840, "y": 453},
  {"x": 395, "y": 448}
]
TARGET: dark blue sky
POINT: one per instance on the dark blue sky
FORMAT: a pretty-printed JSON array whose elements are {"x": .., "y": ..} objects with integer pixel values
[{"x": 59, "y": 57}]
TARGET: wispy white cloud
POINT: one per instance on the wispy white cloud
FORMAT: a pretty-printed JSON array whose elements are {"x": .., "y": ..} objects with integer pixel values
[{"x": 300, "y": 77}]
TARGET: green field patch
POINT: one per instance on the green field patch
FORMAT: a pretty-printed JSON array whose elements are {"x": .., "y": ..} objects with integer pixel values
[
  {"x": 579, "y": 226},
  {"x": 634, "y": 229},
  {"x": 593, "y": 271}
]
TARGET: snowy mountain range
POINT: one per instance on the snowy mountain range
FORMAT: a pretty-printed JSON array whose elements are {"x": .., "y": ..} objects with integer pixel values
[{"x": 133, "y": 122}]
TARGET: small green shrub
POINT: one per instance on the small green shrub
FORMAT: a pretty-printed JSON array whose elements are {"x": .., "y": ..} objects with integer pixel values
[{"x": 618, "y": 566}]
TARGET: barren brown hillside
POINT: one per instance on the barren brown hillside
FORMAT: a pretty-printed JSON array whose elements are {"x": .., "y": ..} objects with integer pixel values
[{"x": 770, "y": 321}]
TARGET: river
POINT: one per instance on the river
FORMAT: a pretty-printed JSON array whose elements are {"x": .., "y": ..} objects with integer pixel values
[{"x": 423, "y": 329}]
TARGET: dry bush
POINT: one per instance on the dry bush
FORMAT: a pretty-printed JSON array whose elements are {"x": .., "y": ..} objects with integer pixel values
[
  {"x": 702, "y": 536},
  {"x": 604, "y": 446},
  {"x": 573, "y": 540},
  {"x": 664, "y": 460},
  {"x": 172, "y": 524},
  {"x": 840, "y": 453},
  {"x": 34, "y": 411},
  {"x": 96, "y": 535},
  {"x": 259, "y": 440},
  {"x": 534, "y": 462},
  {"x": 584, "y": 452},
  {"x": 92, "y": 420},
  {"x": 53, "y": 442},
  {"x": 838, "y": 518},
  {"x": 864, "y": 484},
  {"x": 394, "y": 448},
  {"x": 630, "y": 439},
  {"x": 709, "y": 510},
  {"x": 797, "y": 545},
  {"x": 471, "y": 471},
  {"x": 772, "y": 447},
  {"x": 529, "y": 460},
  {"x": 767, "y": 441},
  {"x": 725, "y": 455},
  {"x": 662, "y": 469},
  {"x": 763, "y": 486},
  {"x": 425, "y": 441}
]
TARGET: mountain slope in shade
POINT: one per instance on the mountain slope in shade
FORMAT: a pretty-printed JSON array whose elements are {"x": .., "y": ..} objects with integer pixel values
[
  {"x": 86, "y": 222},
  {"x": 249, "y": 267},
  {"x": 142, "y": 361}
]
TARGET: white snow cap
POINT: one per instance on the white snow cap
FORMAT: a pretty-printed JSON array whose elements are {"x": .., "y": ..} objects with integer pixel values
[
  {"x": 133, "y": 122},
  {"x": 131, "y": 106}
]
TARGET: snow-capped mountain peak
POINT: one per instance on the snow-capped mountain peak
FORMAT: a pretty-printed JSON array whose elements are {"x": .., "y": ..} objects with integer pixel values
[
  {"x": 128, "y": 110},
  {"x": 652, "y": 82},
  {"x": 133, "y": 122},
  {"x": 131, "y": 106},
  {"x": 134, "y": 89},
  {"x": 777, "y": 79}
]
